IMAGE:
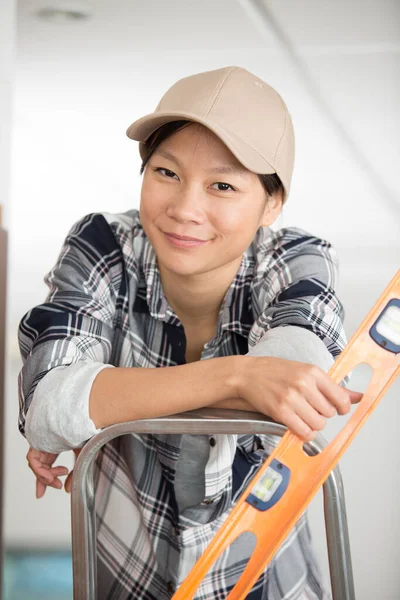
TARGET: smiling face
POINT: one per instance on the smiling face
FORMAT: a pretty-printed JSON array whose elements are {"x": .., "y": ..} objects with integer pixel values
[{"x": 199, "y": 207}]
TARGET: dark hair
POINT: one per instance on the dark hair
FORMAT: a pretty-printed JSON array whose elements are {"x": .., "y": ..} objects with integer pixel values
[{"x": 271, "y": 183}]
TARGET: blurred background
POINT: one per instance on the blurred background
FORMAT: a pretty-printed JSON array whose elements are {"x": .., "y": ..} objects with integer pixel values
[{"x": 74, "y": 75}]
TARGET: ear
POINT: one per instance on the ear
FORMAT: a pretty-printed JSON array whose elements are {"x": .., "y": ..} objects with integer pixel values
[{"x": 272, "y": 210}]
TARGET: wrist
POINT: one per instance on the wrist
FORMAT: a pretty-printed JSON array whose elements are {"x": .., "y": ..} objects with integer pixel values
[{"x": 237, "y": 376}]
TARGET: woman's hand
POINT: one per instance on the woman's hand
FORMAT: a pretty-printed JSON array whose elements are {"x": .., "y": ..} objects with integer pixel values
[
  {"x": 47, "y": 475},
  {"x": 299, "y": 395}
]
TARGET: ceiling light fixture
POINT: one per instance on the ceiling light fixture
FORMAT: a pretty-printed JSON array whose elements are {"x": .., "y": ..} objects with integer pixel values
[{"x": 63, "y": 12}]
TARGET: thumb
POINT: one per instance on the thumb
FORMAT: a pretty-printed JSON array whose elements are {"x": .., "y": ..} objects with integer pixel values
[
  {"x": 68, "y": 482},
  {"x": 355, "y": 397}
]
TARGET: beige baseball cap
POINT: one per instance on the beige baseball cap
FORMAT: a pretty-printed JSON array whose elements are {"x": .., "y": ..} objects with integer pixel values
[{"x": 246, "y": 113}]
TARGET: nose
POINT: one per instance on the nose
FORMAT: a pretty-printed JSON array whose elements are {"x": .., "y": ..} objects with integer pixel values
[{"x": 186, "y": 205}]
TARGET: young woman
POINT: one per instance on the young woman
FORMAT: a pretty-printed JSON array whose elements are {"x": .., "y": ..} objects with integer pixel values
[{"x": 237, "y": 316}]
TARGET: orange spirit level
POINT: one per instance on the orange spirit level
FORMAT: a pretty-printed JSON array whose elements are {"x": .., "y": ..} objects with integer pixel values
[{"x": 286, "y": 483}]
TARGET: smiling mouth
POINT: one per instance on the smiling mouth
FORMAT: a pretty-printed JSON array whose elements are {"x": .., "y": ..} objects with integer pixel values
[
  {"x": 183, "y": 241},
  {"x": 184, "y": 237}
]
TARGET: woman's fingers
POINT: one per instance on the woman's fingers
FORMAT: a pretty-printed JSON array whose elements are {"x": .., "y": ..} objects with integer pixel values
[
  {"x": 46, "y": 475},
  {"x": 300, "y": 395},
  {"x": 310, "y": 416},
  {"x": 313, "y": 405},
  {"x": 40, "y": 488},
  {"x": 42, "y": 484},
  {"x": 337, "y": 395},
  {"x": 321, "y": 404},
  {"x": 38, "y": 471},
  {"x": 58, "y": 471},
  {"x": 306, "y": 418},
  {"x": 297, "y": 426}
]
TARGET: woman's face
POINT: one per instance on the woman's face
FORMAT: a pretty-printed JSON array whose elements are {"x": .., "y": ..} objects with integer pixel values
[{"x": 200, "y": 208}]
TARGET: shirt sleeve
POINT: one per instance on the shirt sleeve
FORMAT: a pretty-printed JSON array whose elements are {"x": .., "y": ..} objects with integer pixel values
[
  {"x": 295, "y": 284},
  {"x": 71, "y": 337},
  {"x": 294, "y": 343}
]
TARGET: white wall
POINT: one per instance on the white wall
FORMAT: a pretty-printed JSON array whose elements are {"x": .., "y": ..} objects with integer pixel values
[
  {"x": 76, "y": 92},
  {"x": 7, "y": 33},
  {"x": 7, "y": 40}
]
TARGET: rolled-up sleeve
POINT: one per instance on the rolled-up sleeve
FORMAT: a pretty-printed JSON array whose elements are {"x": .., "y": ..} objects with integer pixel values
[{"x": 69, "y": 337}]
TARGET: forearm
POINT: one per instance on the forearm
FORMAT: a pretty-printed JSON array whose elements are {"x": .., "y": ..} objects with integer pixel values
[
  {"x": 127, "y": 394},
  {"x": 234, "y": 404},
  {"x": 60, "y": 417},
  {"x": 72, "y": 403}
]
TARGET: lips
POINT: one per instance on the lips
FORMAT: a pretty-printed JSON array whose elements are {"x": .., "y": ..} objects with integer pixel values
[
  {"x": 184, "y": 241},
  {"x": 184, "y": 237}
]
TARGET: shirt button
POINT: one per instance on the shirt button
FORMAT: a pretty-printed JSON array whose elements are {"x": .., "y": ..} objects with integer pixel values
[
  {"x": 213, "y": 441},
  {"x": 170, "y": 587}
]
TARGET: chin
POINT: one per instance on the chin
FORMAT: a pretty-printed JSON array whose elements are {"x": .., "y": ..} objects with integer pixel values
[{"x": 183, "y": 268}]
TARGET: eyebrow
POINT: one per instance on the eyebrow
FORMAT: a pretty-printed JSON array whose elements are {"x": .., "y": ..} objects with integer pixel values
[{"x": 230, "y": 169}]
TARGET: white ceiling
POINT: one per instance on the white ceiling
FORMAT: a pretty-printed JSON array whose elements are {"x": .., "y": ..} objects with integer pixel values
[
  {"x": 79, "y": 85},
  {"x": 315, "y": 26}
]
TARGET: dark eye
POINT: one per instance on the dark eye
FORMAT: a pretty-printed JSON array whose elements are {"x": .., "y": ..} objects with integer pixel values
[
  {"x": 224, "y": 187},
  {"x": 166, "y": 172}
]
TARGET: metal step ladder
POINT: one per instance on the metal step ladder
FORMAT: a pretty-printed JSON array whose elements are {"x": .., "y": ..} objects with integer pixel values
[{"x": 207, "y": 422}]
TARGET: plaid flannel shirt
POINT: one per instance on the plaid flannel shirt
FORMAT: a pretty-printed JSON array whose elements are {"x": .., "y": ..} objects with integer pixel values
[{"x": 106, "y": 306}]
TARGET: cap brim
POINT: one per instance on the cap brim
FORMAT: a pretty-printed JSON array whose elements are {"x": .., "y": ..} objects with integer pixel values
[{"x": 141, "y": 129}]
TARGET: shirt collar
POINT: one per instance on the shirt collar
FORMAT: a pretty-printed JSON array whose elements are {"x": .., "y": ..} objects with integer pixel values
[{"x": 156, "y": 300}]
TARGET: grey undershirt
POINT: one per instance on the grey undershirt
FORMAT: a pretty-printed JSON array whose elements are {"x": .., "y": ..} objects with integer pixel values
[{"x": 189, "y": 477}]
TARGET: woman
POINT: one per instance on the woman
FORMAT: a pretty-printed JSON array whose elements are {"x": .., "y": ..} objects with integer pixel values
[{"x": 238, "y": 316}]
